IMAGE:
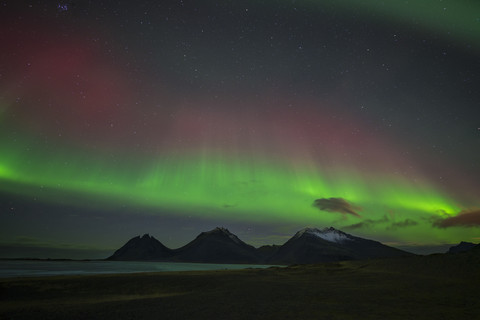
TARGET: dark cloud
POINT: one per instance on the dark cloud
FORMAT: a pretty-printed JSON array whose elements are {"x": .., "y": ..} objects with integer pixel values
[
  {"x": 367, "y": 223},
  {"x": 403, "y": 224},
  {"x": 463, "y": 219},
  {"x": 336, "y": 205},
  {"x": 364, "y": 224}
]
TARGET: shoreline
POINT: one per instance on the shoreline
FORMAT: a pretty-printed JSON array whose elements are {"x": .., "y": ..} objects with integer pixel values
[
  {"x": 415, "y": 287},
  {"x": 49, "y": 268}
]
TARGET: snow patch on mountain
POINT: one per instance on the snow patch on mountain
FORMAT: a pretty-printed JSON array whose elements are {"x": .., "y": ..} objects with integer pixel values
[
  {"x": 227, "y": 233},
  {"x": 329, "y": 234}
]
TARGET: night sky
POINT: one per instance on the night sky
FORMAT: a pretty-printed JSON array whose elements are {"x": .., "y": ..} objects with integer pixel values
[{"x": 119, "y": 118}]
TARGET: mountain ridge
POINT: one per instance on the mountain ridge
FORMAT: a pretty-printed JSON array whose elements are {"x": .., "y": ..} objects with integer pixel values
[
  {"x": 219, "y": 245},
  {"x": 463, "y": 246}
]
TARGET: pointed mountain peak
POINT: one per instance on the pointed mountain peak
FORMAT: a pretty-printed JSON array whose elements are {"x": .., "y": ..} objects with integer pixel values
[
  {"x": 224, "y": 232},
  {"x": 143, "y": 247},
  {"x": 221, "y": 230},
  {"x": 218, "y": 245}
]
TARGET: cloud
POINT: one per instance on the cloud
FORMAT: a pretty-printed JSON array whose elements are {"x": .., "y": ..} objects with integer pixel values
[
  {"x": 469, "y": 218},
  {"x": 364, "y": 224},
  {"x": 403, "y": 224},
  {"x": 336, "y": 205},
  {"x": 367, "y": 223}
]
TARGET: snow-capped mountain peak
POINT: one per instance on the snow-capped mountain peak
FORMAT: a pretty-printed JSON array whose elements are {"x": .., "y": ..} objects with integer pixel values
[
  {"x": 330, "y": 234},
  {"x": 225, "y": 231}
]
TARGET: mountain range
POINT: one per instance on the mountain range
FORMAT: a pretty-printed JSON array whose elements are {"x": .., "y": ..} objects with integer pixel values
[{"x": 309, "y": 245}]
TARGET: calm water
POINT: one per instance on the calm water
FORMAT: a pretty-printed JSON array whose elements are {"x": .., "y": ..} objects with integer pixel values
[{"x": 12, "y": 268}]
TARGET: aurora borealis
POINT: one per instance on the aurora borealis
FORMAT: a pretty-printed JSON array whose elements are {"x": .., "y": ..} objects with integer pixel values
[{"x": 121, "y": 118}]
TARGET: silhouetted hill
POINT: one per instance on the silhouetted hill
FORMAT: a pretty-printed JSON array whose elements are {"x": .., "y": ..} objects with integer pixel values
[
  {"x": 461, "y": 247},
  {"x": 312, "y": 245},
  {"x": 217, "y": 246},
  {"x": 221, "y": 246},
  {"x": 265, "y": 252},
  {"x": 142, "y": 248}
]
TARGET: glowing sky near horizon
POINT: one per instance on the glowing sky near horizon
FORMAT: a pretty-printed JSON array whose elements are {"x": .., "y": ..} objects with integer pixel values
[{"x": 244, "y": 114}]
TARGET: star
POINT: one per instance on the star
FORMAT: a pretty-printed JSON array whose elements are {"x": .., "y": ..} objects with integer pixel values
[{"x": 62, "y": 7}]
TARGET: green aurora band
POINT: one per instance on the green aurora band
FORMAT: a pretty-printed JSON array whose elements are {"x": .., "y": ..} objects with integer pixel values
[
  {"x": 249, "y": 187},
  {"x": 211, "y": 185},
  {"x": 221, "y": 184}
]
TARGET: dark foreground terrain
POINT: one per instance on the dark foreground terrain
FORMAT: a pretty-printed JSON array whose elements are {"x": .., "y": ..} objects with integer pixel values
[{"x": 432, "y": 287}]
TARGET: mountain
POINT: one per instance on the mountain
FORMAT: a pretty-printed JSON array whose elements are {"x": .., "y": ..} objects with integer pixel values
[
  {"x": 462, "y": 247},
  {"x": 142, "y": 248},
  {"x": 217, "y": 246},
  {"x": 265, "y": 252},
  {"x": 311, "y": 245}
]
